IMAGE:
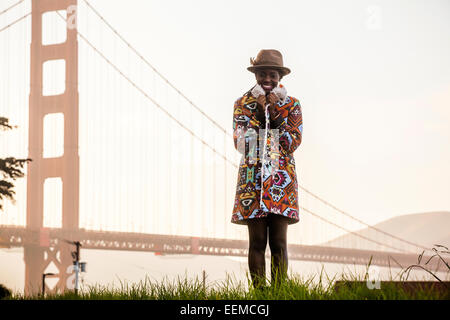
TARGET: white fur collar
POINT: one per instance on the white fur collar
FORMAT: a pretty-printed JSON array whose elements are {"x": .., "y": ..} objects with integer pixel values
[
  {"x": 258, "y": 91},
  {"x": 280, "y": 91}
]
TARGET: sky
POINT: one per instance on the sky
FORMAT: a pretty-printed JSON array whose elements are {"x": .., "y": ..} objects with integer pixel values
[
  {"x": 372, "y": 77},
  {"x": 374, "y": 85}
]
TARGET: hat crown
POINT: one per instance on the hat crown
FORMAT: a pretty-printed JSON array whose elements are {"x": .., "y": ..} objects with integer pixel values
[{"x": 268, "y": 57}]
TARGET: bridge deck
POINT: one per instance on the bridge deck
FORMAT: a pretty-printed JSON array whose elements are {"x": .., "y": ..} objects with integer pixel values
[{"x": 13, "y": 236}]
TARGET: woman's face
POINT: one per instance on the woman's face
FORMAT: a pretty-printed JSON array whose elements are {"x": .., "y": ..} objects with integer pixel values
[{"x": 267, "y": 78}]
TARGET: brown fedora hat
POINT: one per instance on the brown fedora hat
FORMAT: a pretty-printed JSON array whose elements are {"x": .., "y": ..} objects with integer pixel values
[{"x": 268, "y": 58}]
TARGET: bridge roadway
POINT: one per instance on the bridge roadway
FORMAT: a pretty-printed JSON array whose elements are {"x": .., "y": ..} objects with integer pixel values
[{"x": 17, "y": 236}]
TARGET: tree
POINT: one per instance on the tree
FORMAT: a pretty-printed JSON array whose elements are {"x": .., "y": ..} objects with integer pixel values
[
  {"x": 4, "y": 292},
  {"x": 10, "y": 169}
]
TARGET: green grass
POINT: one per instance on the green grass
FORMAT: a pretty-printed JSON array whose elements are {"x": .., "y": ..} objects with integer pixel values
[{"x": 293, "y": 288}]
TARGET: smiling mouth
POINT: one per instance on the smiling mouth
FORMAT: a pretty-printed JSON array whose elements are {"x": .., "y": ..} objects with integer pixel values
[{"x": 267, "y": 87}]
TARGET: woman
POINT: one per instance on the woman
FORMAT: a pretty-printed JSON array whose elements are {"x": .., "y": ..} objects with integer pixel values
[{"x": 267, "y": 129}]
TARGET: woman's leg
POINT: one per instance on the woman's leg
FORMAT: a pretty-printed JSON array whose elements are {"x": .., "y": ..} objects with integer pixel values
[
  {"x": 257, "y": 230},
  {"x": 278, "y": 246}
]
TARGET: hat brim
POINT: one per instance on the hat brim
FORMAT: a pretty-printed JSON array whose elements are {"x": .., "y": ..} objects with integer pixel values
[{"x": 283, "y": 70}]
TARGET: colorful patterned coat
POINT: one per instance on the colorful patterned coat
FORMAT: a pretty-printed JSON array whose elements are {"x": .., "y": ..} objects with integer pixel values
[{"x": 280, "y": 180}]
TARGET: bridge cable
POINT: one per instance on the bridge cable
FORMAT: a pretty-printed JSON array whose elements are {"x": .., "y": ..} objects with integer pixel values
[
  {"x": 350, "y": 232},
  {"x": 147, "y": 96},
  {"x": 360, "y": 221},
  {"x": 7, "y": 9},
  {"x": 14, "y": 22},
  {"x": 156, "y": 71}
]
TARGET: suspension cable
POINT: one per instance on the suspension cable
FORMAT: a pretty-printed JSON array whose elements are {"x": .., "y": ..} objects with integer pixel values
[
  {"x": 360, "y": 221},
  {"x": 147, "y": 96},
  {"x": 350, "y": 232},
  {"x": 14, "y": 22},
  {"x": 7, "y": 9},
  {"x": 155, "y": 70}
]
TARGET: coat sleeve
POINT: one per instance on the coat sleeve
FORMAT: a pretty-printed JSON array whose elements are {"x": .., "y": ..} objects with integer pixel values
[
  {"x": 245, "y": 128},
  {"x": 291, "y": 130}
]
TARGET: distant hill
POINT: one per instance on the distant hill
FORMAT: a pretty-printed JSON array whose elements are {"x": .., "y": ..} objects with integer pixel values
[{"x": 426, "y": 229}]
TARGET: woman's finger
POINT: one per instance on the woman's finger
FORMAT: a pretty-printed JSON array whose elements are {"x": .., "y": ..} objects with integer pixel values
[
  {"x": 273, "y": 98},
  {"x": 261, "y": 100}
]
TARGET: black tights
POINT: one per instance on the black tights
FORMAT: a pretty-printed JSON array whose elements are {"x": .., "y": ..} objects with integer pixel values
[{"x": 275, "y": 226}]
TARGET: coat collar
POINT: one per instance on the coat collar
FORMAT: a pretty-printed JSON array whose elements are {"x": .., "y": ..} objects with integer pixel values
[{"x": 280, "y": 91}]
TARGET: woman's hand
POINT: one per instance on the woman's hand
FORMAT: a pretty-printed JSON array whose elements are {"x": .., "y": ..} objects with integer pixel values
[
  {"x": 273, "y": 99},
  {"x": 261, "y": 100}
]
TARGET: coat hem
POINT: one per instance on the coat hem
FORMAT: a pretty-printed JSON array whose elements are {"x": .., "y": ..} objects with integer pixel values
[{"x": 244, "y": 221}]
